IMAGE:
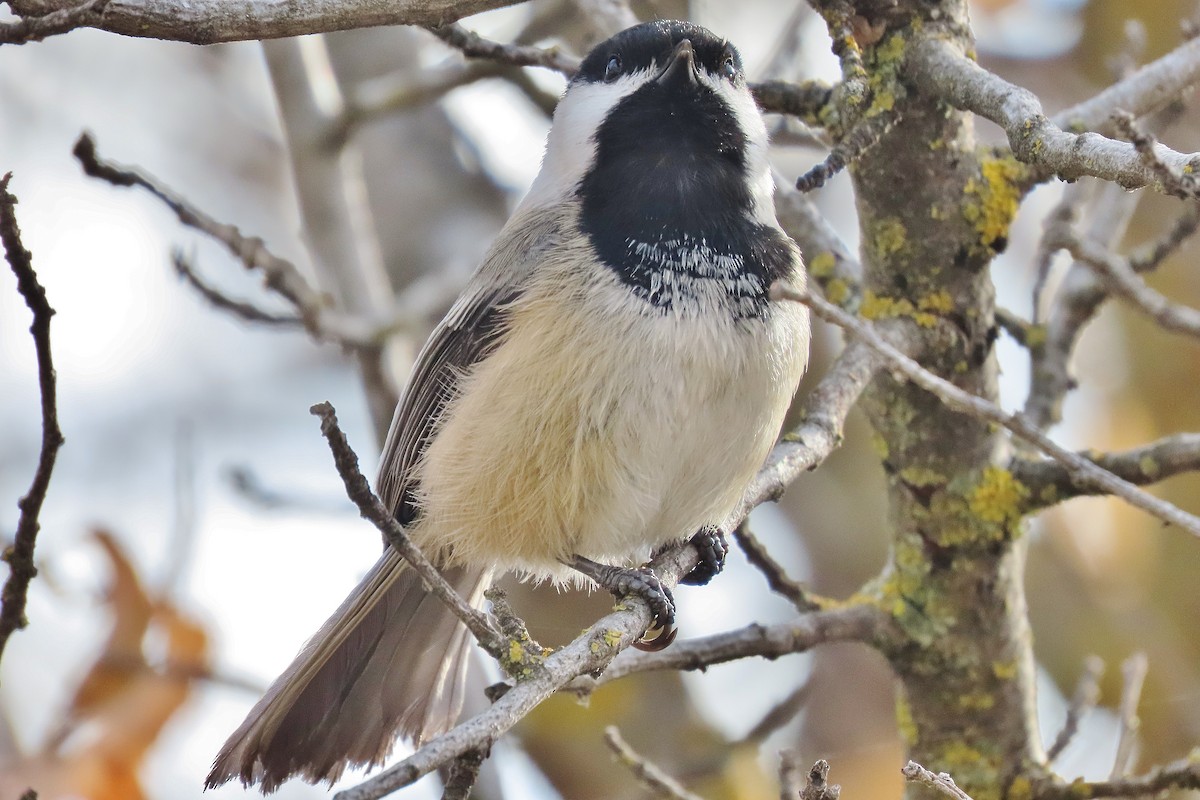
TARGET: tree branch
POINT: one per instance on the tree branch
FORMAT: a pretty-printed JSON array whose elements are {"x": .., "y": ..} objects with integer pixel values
[
  {"x": 212, "y": 21},
  {"x": 1083, "y": 700},
  {"x": 1181, "y": 774},
  {"x": 653, "y": 777},
  {"x": 1079, "y": 467},
  {"x": 35, "y": 27},
  {"x": 374, "y": 511},
  {"x": 937, "y": 67},
  {"x": 473, "y": 45},
  {"x": 1049, "y": 482},
  {"x": 19, "y": 556}
]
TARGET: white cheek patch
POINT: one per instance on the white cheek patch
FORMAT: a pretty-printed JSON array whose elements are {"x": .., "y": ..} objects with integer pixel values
[
  {"x": 758, "y": 167},
  {"x": 570, "y": 146}
]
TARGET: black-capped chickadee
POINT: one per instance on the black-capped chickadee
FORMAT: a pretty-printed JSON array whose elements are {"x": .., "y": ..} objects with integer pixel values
[{"x": 608, "y": 382}]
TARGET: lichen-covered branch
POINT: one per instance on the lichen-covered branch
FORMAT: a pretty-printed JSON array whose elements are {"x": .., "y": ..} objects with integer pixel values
[
  {"x": 937, "y": 67},
  {"x": 1080, "y": 468},
  {"x": 19, "y": 556},
  {"x": 212, "y": 21},
  {"x": 1049, "y": 482}
]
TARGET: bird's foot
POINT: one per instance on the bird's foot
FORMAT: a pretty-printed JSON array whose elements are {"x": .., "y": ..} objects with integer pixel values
[
  {"x": 712, "y": 546},
  {"x": 636, "y": 582}
]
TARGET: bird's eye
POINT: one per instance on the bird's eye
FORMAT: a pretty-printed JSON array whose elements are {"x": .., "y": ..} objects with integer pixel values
[
  {"x": 613, "y": 69},
  {"x": 729, "y": 68}
]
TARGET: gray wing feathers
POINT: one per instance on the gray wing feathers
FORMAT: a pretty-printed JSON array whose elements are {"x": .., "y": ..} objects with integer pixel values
[{"x": 392, "y": 657}]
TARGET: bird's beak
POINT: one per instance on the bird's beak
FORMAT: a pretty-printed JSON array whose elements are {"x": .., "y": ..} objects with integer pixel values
[{"x": 681, "y": 66}]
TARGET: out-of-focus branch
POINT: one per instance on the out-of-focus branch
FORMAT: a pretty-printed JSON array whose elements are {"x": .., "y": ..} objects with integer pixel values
[
  {"x": 373, "y": 510},
  {"x": 1083, "y": 700},
  {"x": 1050, "y": 482},
  {"x": 239, "y": 308},
  {"x": 473, "y": 45},
  {"x": 656, "y": 780},
  {"x": 1144, "y": 91},
  {"x": 1181, "y": 774},
  {"x": 19, "y": 556},
  {"x": 212, "y": 21},
  {"x": 773, "y": 571},
  {"x": 1133, "y": 678},
  {"x": 35, "y": 27},
  {"x": 464, "y": 771},
  {"x": 1079, "y": 467},
  {"x": 831, "y": 262},
  {"x": 805, "y": 100},
  {"x": 937, "y": 67}
]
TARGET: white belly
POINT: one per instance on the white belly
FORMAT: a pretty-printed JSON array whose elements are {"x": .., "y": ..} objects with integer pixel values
[{"x": 605, "y": 432}]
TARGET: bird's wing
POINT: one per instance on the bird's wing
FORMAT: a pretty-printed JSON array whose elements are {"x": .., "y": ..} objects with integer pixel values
[{"x": 466, "y": 335}]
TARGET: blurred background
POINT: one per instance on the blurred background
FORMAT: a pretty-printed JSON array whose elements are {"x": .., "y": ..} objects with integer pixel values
[{"x": 195, "y": 532}]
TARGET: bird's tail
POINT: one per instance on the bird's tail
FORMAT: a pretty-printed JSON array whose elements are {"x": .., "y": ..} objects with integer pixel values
[{"x": 392, "y": 659}]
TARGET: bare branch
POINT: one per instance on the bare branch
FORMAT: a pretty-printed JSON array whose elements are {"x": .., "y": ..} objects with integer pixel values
[
  {"x": 805, "y": 100},
  {"x": 35, "y": 27},
  {"x": 915, "y": 773},
  {"x": 1118, "y": 275},
  {"x": 473, "y": 45},
  {"x": 374, "y": 511},
  {"x": 656, "y": 780},
  {"x": 1149, "y": 258},
  {"x": 1146, "y": 90},
  {"x": 937, "y": 67},
  {"x": 1181, "y": 774},
  {"x": 1170, "y": 180},
  {"x": 817, "y": 786},
  {"x": 1049, "y": 482},
  {"x": 779, "y": 715},
  {"x": 1083, "y": 700},
  {"x": 239, "y": 308},
  {"x": 19, "y": 556},
  {"x": 1080, "y": 468},
  {"x": 212, "y": 21},
  {"x": 852, "y": 623},
  {"x": 773, "y": 571},
  {"x": 865, "y": 134},
  {"x": 1133, "y": 677}
]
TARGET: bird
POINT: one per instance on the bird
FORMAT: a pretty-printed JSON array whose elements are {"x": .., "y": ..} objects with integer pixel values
[{"x": 608, "y": 382}]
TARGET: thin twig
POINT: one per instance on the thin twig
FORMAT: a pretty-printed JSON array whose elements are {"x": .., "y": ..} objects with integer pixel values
[
  {"x": 1049, "y": 482},
  {"x": 1083, "y": 700},
  {"x": 239, "y": 308},
  {"x": 373, "y": 510},
  {"x": 777, "y": 578},
  {"x": 1119, "y": 276},
  {"x": 915, "y": 773},
  {"x": 1080, "y": 468},
  {"x": 1181, "y": 774},
  {"x": 19, "y": 556},
  {"x": 1170, "y": 180},
  {"x": 1150, "y": 257},
  {"x": 1133, "y": 677},
  {"x": 32, "y": 28},
  {"x": 473, "y": 45},
  {"x": 650, "y": 775},
  {"x": 817, "y": 786},
  {"x": 865, "y": 134},
  {"x": 779, "y": 715}
]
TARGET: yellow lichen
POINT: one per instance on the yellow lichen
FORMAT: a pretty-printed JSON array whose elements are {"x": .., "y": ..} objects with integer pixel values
[
  {"x": 1020, "y": 789},
  {"x": 889, "y": 237},
  {"x": 992, "y": 200},
  {"x": 612, "y": 637},
  {"x": 876, "y": 307},
  {"x": 904, "y": 720},
  {"x": 836, "y": 291},
  {"x": 921, "y": 476},
  {"x": 976, "y": 701},
  {"x": 939, "y": 302},
  {"x": 821, "y": 265},
  {"x": 516, "y": 653},
  {"x": 1149, "y": 467},
  {"x": 1004, "y": 670},
  {"x": 998, "y": 498}
]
